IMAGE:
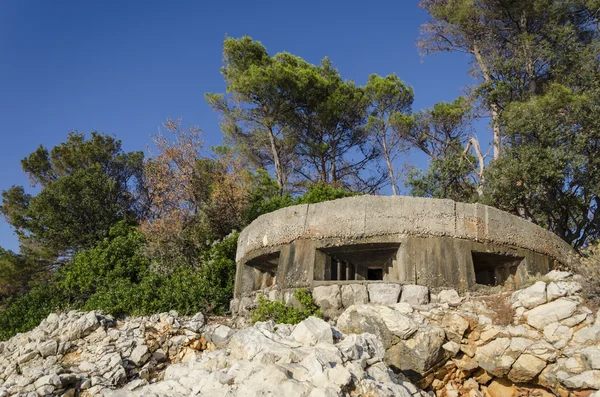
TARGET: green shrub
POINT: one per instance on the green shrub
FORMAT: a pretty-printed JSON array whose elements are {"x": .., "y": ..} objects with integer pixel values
[
  {"x": 114, "y": 261},
  {"x": 279, "y": 312},
  {"x": 320, "y": 192},
  {"x": 265, "y": 196},
  {"x": 116, "y": 278},
  {"x": 209, "y": 288},
  {"x": 26, "y": 312}
]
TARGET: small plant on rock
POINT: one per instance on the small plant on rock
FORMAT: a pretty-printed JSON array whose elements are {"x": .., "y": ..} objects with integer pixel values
[{"x": 279, "y": 312}]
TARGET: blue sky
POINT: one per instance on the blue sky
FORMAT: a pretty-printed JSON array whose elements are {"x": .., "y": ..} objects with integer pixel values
[{"x": 122, "y": 67}]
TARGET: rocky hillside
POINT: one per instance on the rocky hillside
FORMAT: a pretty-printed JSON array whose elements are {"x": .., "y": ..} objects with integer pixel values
[{"x": 539, "y": 341}]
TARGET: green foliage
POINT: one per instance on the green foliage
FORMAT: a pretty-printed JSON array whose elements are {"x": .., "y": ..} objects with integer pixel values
[
  {"x": 26, "y": 312},
  {"x": 390, "y": 100},
  {"x": 302, "y": 119},
  {"x": 126, "y": 286},
  {"x": 447, "y": 178},
  {"x": 589, "y": 267},
  {"x": 115, "y": 277},
  {"x": 19, "y": 272},
  {"x": 256, "y": 105},
  {"x": 87, "y": 186},
  {"x": 442, "y": 134},
  {"x": 114, "y": 259},
  {"x": 320, "y": 192},
  {"x": 279, "y": 312},
  {"x": 265, "y": 197},
  {"x": 549, "y": 173}
]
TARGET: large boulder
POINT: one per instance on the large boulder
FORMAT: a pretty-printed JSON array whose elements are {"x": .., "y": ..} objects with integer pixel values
[
  {"x": 449, "y": 296},
  {"x": 379, "y": 320},
  {"x": 549, "y": 313},
  {"x": 586, "y": 380},
  {"x": 361, "y": 318},
  {"x": 354, "y": 294},
  {"x": 359, "y": 346},
  {"x": 328, "y": 298},
  {"x": 532, "y": 296},
  {"x": 415, "y": 295},
  {"x": 455, "y": 326},
  {"x": 526, "y": 368},
  {"x": 493, "y": 358},
  {"x": 419, "y": 353},
  {"x": 591, "y": 356},
  {"x": 383, "y": 293},
  {"x": 249, "y": 343},
  {"x": 312, "y": 331}
]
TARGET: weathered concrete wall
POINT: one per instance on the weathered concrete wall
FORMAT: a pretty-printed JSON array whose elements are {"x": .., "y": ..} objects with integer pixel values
[{"x": 436, "y": 239}]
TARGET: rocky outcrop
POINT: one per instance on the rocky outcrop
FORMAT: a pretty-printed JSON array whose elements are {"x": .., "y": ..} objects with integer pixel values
[
  {"x": 83, "y": 354},
  {"x": 268, "y": 359},
  {"x": 539, "y": 341},
  {"x": 89, "y": 354}
]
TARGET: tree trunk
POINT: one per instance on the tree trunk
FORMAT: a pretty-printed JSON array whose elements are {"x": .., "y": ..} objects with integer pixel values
[
  {"x": 494, "y": 109},
  {"x": 389, "y": 165},
  {"x": 481, "y": 161},
  {"x": 528, "y": 56},
  {"x": 276, "y": 161}
]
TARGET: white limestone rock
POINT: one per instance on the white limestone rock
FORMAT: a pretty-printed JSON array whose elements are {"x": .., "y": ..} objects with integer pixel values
[
  {"x": 415, "y": 295},
  {"x": 557, "y": 275},
  {"x": 140, "y": 355},
  {"x": 354, "y": 294},
  {"x": 451, "y": 347},
  {"x": 196, "y": 323},
  {"x": 493, "y": 359},
  {"x": 530, "y": 297},
  {"x": 312, "y": 331},
  {"x": 557, "y": 334},
  {"x": 420, "y": 352},
  {"x": 384, "y": 293},
  {"x": 526, "y": 368},
  {"x": 548, "y": 313},
  {"x": 359, "y": 346},
  {"x": 586, "y": 380},
  {"x": 449, "y": 296},
  {"x": 328, "y": 298},
  {"x": 554, "y": 291},
  {"x": 218, "y": 334},
  {"x": 48, "y": 348},
  {"x": 591, "y": 357},
  {"x": 455, "y": 326}
]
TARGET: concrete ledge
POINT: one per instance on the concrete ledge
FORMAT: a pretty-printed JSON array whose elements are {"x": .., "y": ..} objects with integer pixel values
[{"x": 367, "y": 216}]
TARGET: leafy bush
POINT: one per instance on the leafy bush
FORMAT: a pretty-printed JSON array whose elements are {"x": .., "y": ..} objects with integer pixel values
[
  {"x": 114, "y": 260},
  {"x": 279, "y": 312},
  {"x": 320, "y": 192},
  {"x": 115, "y": 277},
  {"x": 265, "y": 196},
  {"x": 186, "y": 290},
  {"x": 26, "y": 312}
]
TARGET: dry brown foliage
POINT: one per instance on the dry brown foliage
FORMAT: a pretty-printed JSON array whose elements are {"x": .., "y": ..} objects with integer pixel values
[
  {"x": 503, "y": 312},
  {"x": 194, "y": 199},
  {"x": 174, "y": 188},
  {"x": 230, "y": 193}
]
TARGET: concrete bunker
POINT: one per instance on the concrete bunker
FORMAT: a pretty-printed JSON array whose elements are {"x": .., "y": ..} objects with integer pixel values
[{"x": 405, "y": 240}]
